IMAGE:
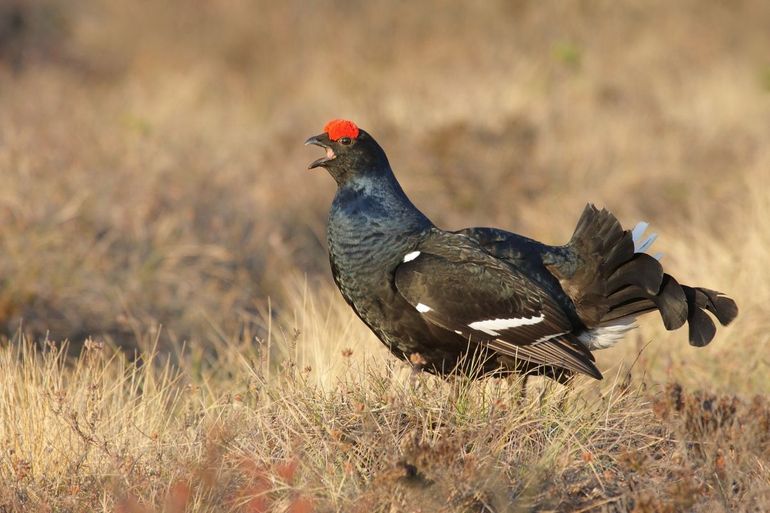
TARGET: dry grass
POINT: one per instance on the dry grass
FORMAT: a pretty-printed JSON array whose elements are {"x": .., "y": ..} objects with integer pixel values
[
  {"x": 244, "y": 433},
  {"x": 153, "y": 196}
]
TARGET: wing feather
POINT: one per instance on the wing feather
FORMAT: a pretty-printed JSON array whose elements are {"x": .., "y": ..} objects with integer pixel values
[
  {"x": 556, "y": 352},
  {"x": 456, "y": 285}
]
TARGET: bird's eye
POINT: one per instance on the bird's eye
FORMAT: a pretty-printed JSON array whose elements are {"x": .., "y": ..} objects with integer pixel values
[{"x": 345, "y": 140}]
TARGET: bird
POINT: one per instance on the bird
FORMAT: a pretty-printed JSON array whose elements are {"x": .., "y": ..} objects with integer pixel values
[{"x": 484, "y": 301}]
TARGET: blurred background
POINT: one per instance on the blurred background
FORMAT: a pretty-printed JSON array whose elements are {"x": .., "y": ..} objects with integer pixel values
[{"x": 152, "y": 171}]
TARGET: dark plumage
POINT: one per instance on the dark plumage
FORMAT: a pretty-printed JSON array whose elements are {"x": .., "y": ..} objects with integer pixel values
[{"x": 523, "y": 306}]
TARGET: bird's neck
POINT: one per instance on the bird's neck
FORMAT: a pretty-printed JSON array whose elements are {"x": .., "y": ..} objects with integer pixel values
[
  {"x": 379, "y": 202},
  {"x": 372, "y": 225}
]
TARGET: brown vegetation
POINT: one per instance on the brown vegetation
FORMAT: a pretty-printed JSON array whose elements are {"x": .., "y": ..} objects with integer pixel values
[{"x": 153, "y": 196}]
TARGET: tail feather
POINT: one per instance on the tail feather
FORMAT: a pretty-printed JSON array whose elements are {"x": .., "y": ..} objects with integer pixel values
[
  {"x": 700, "y": 300},
  {"x": 642, "y": 271},
  {"x": 671, "y": 303},
  {"x": 598, "y": 247},
  {"x": 630, "y": 309},
  {"x": 626, "y": 294},
  {"x": 611, "y": 279}
]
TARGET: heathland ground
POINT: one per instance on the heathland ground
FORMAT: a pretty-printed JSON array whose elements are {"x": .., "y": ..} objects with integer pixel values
[{"x": 172, "y": 340}]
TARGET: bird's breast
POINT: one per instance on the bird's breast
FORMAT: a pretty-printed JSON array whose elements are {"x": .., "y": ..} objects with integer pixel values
[{"x": 364, "y": 252}]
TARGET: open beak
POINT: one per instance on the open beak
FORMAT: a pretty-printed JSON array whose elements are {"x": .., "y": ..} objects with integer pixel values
[{"x": 323, "y": 141}]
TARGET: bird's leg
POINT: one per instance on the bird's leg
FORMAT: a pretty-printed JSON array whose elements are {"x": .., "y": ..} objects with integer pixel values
[
  {"x": 523, "y": 389},
  {"x": 567, "y": 386},
  {"x": 417, "y": 362},
  {"x": 522, "y": 395},
  {"x": 454, "y": 382},
  {"x": 547, "y": 387}
]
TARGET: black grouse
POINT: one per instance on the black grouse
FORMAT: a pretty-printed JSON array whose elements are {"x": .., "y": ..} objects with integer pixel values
[{"x": 437, "y": 296}]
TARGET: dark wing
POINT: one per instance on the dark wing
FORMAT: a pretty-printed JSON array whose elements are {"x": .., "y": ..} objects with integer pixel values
[{"x": 459, "y": 287}]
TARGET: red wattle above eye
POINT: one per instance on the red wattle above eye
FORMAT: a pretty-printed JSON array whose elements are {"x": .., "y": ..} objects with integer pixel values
[{"x": 339, "y": 128}]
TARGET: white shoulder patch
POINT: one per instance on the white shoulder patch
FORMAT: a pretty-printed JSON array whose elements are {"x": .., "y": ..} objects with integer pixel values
[
  {"x": 411, "y": 256},
  {"x": 423, "y": 308},
  {"x": 491, "y": 326}
]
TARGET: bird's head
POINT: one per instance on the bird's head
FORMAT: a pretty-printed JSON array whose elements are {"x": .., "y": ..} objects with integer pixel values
[{"x": 350, "y": 152}]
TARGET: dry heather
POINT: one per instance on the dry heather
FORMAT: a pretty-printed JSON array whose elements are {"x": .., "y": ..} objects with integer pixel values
[
  {"x": 242, "y": 433},
  {"x": 154, "y": 202}
]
